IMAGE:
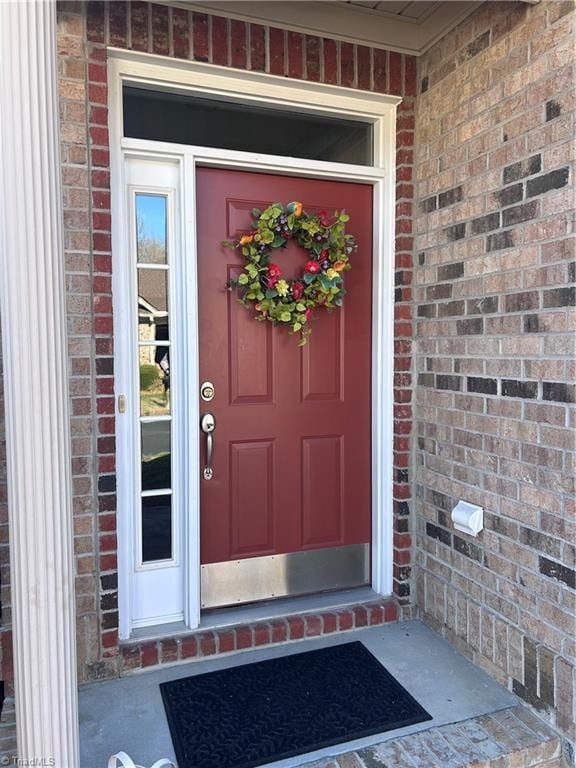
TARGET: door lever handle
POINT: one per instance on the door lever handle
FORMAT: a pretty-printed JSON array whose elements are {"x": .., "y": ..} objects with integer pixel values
[{"x": 208, "y": 425}]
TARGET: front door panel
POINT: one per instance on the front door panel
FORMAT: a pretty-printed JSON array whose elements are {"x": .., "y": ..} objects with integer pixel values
[{"x": 291, "y": 454}]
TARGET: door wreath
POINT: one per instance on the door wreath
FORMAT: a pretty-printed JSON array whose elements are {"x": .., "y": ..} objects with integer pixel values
[{"x": 321, "y": 284}]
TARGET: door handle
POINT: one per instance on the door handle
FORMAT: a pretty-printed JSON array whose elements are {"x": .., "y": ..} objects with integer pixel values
[{"x": 208, "y": 425}]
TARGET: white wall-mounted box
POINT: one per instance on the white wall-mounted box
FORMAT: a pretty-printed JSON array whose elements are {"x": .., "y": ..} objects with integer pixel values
[{"x": 468, "y": 518}]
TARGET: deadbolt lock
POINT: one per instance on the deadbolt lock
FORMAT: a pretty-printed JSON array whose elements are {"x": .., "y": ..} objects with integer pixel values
[{"x": 207, "y": 391}]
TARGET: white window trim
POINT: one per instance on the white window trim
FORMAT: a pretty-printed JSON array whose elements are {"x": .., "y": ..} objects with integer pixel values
[{"x": 251, "y": 87}]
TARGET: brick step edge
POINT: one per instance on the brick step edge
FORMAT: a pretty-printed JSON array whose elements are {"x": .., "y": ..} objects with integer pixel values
[
  {"x": 203, "y": 643},
  {"x": 510, "y": 738}
]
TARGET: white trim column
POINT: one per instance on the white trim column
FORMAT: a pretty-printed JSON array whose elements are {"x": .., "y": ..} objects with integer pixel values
[{"x": 32, "y": 303}]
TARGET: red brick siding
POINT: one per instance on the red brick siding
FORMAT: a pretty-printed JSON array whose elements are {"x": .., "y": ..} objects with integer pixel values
[{"x": 233, "y": 638}]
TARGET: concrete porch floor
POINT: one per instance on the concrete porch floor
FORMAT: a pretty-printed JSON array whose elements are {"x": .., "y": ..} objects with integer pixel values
[{"x": 127, "y": 713}]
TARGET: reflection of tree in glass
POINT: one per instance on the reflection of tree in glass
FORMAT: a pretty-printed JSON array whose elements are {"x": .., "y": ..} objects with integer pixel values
[{"x": 151, "y": 250}]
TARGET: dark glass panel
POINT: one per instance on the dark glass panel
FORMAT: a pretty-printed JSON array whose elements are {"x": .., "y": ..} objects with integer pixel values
[
  {"x": 156, "y": 528},
  {"x": 156, "y": 459},
  {"x": 184, "y": 119}
]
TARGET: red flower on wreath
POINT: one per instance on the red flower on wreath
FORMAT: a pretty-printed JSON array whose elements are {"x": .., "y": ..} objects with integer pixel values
[
  {"x": 308, "y": 314},
  {"x": 274, "y": 273},
  {"x": 324, "y": 218},
  {"x": 312, "y": 267},
  {"x": 297, "y": 290}
]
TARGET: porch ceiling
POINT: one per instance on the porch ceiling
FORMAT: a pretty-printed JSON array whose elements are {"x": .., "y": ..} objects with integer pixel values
[{"x": 408, "y": 26}]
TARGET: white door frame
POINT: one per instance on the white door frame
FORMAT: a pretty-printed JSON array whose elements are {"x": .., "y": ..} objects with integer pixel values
[{"x": 249, "y": 87}]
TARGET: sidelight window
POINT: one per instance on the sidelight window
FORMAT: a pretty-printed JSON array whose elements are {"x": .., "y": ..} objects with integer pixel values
[{"x": 155, "y": 385}]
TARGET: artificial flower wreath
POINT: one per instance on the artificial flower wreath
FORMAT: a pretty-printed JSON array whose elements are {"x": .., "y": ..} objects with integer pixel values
[{"x": 321, "y": 284}]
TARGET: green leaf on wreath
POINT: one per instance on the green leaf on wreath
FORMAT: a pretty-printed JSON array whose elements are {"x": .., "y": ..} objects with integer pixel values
[
  {"x": 308, "y": 278},
  {"x": 243, "y": 279},
  {"x": 271, "y": 293},
  {"x": 285, "y": 317}
]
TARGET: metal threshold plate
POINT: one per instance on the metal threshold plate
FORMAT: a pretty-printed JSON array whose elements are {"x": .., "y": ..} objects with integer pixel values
[{"x": 296, "y": 573}]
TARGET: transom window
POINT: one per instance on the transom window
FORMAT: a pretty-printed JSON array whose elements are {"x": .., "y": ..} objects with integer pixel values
[{"x": 185, "y": 119}]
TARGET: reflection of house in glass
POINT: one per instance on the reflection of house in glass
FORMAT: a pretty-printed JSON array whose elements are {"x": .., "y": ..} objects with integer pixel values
[
  {"x": 153, "y": 327},
  {"x": 152, "y": 312}
]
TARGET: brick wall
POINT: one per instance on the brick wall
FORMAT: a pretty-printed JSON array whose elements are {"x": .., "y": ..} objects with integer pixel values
[
  {"x": 84, "y": 33},
  {"x": 494, "y": 295}
]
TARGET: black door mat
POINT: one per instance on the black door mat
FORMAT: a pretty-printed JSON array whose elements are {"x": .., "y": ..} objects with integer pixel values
[{"x": 258, "y": 713}]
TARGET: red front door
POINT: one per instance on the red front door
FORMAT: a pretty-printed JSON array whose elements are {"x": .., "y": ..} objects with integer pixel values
[{"x": 291, "y": 461}]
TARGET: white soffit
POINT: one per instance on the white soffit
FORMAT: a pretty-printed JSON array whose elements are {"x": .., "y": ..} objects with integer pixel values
[{"x": 398, "y": 25}]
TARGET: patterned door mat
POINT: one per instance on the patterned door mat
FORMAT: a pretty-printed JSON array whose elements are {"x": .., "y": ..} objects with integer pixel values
[{"x": 258, "y": 713}]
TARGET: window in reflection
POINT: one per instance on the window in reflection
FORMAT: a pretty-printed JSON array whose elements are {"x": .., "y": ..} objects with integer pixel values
[
  {"x": 156, "y": 528},
  {"x": 156, "y": 460},
  {"x": 153, "y": 305},
  {"x": 151, "y": 228},
  {"x": 154, "y": 363}
]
